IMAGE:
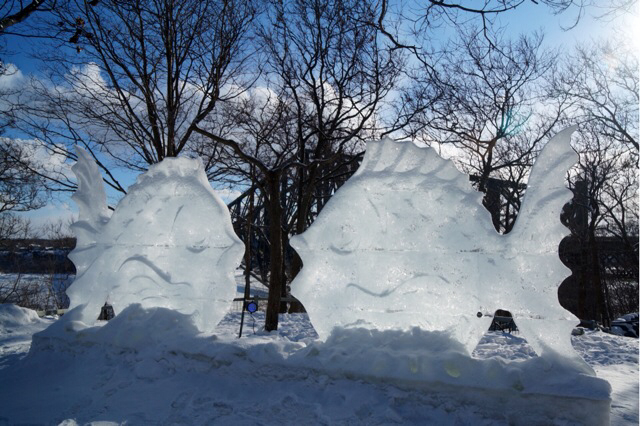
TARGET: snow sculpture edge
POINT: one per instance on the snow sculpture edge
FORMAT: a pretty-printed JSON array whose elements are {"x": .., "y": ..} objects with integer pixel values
[{"x": 169, "y": 243}]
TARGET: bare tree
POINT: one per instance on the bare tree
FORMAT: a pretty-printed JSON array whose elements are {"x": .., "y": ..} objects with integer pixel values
[
  {"x": 135, "y": 78},
  {"x": 58, "y": 230},
  {"x": 486, "y": 101},
  {"x": 13, "y": 12},
  {"x": 603, "y": 79},
  {"x": 603, "y": 84},
  {"x": 326, "y": 75},
  {"x": 14, "y": 227},
  {"x": 460, "y": 12},
  {"x": 423, "y": 24},
  {"x": 20, "y": 189}
]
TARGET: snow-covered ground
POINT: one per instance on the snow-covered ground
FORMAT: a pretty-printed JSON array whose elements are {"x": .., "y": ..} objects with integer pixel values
[{"x": 153, "y": 368}]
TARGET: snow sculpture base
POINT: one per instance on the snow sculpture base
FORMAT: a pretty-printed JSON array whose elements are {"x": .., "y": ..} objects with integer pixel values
[
  {"x": 168, "y": 244},
  {"x": 523, "y": 392}
]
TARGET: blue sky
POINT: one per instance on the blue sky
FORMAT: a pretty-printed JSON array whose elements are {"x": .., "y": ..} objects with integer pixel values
[{"x": 526, "y": 19}]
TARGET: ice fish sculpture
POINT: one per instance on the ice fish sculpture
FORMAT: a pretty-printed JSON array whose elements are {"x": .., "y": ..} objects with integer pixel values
[
  {"x": 406, "y": 242},
  {"x": 169, "y": 243}
]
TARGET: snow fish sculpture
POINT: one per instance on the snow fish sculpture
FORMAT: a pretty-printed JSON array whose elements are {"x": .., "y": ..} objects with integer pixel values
[
  {"x": 406, "y": 242},
  {"x": 169, "y": 243}
]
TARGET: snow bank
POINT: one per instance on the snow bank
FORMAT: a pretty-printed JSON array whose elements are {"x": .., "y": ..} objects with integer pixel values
[
  {"x": 17, "y": 325},
  {"x": 144, "y": 350},
  {"x": 421, "y": 357},
  {"x": 14, "y": 317},
  {"x": 135, "y": 328}
]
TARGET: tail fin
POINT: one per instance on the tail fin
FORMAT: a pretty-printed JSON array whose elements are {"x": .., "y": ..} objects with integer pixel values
[{"x": 545, "y": 196}]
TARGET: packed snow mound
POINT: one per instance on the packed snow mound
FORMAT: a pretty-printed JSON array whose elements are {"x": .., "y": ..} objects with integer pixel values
[
  {"x": 14, "y": 317},
  {"x": 169, "y": 243},
  {"x": 412, "y": 358},
  {"x": 135, "y": 328},
  {"x": 417, "y": 357},
  {"x": 152, "y": 366},
  {"x": 406, "y": 242}
]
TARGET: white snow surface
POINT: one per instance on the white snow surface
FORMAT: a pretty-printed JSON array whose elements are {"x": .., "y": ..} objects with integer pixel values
[
  {"x": 153, "y": 367},
  {"x": 407, "y": 243},
  {"x": 17, "y": 325},
  {"x": 169, "y": 243}
]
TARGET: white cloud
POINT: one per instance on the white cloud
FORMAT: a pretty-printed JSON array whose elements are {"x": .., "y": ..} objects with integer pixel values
[
  {"x": 42, "y": 158},
  {"x": 12, "y": 78},
  {"x": 88, "y": 80},
  {"x": 53, "y": 212}
]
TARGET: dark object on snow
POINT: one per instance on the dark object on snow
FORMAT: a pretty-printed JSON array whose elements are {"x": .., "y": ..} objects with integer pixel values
[
  {"x": 106, "y": 312},
  {"x": 626, "y": 325},
  {"x": 503, "y": 321},
  {"x": 590, "y": 324},
  {"x": 578, "y": 331}
]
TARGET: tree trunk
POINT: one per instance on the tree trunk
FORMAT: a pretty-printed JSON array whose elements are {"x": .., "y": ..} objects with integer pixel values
[
  {"x": 276, "y": 270},
  {"x": 247, "y": 256},
  {"x": 305, "y": 197},
  {"x": 581, "y": 278},
  {"x": 601, "y": 307}
]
